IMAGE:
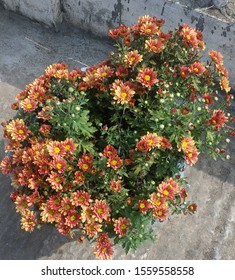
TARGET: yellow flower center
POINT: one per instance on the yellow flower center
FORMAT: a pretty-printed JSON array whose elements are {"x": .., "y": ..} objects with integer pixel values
[
  {"x": 195, "y": 70},
  {"x": 58, "y": 165},
  {"x": 72, "y": 218},
  {"x": 190, "y": 155},
  {"x": 157, "y": 202},
  {"x": 165, "y": 192},
  {"x": 147, "y": 78},
  {"x": 188, "y": 37},
  {"x": 104, "y": 74},
  {"x": 142, "y": 205},
  {"x": 114, "y": 162},
  {"x": 67, "y": 207},
  {"x": 100, "y": 210},
  {"x": 123, "y": 226},
  {"x": 21, "y": 131},
  {"x": 67, "y": 147},
  {"x": 29, "y": 106},
  {"x": 184, "y": 144},
  {"x": 57, "y": 179},
  {"x": 85, "y": 166},
  {"x": 57, "y": 150},
  {"x": 148, "y": 30},
  {"x": 123, "y": 95},
  {"x": 159, "y": 213}
]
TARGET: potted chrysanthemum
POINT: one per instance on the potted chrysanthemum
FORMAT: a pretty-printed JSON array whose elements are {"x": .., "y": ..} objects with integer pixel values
[{"x": 99, "y": 154}]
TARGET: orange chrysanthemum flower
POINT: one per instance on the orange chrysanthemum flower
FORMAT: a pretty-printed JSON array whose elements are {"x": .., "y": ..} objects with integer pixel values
[
  {"x": 101, "y": 210},
  {"x": 224, "y": 84},
  {"x": 66, "y": 206},
  {"x": 192, "y": 156},
  {"x": 92, "y": 229},
  {"x": 217, "y": 57},
  {"x": 147, "y": 77},
  {"x": 132, "y": 58},
  {"x": 81, "y": 198},
  {"x": 148, "y": 142},
  {"x": 28, "y": 221},
  {"x": 17, "y": 130},
  {"x": 103, "y": 72},
  {"x": 69, "y": 145},
  {"x": 208, "y": 99},
  {"x": 28, "y": 105},
  {"x": 161, "y": 214},
  {"x": 154, "y": 45},
  {"x": 103, "y": 249},
  {"x": 121, "y": 225},
  {"x": 187, "y": 144},
  {"x": 48, "y": 215},
  {"x": 87, "y": 215},
  {"x": 122, "y": 92},
  {"x": 57, "y": 70},
  {"x": 45, "y": 129},
  {"x": 157, "y": 201}
]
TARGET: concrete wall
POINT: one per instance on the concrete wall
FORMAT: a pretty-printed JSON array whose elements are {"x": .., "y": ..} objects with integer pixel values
[
  {"x": 98, "y": 16},
  {"x": 45, "y": 11}
]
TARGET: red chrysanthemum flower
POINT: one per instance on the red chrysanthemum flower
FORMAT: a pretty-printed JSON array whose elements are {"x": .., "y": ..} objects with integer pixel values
[
  {"x": 197, "y": 68},
  {"x": 45, "y": 129},
  {"x": 69, "y": 145},
  {"x": 168, "y": 188},
  {"x": 192, "y": 208},
  {"x": 101, "y": 210},
  {"x": 6, "y": 165},
  {"x": 184, "y": 72},
  {"x": 59, "y": 164},
  {"x": 115, "y": 185},
  {"x": 53, "y": 202},
  {"x": 55, "y": 148},
  {"x": 55, "y": 179},
  {"x": 84, "y": 165},
  {"x": 79, "y": 177},
  {"x": 165, "y": 143},
  {"x": 114, "y": 162},
  {"x": 109, "y": 151},
  {"x": 144, "y": 205},
  {"x": 161, "y": 214},
  {"x": 103, "y": 72},
  {"x": 208, "y": 99},
  {"x": 147, "y": 77},
  {"x": 218, "y": 119},
  {"x": 73, "y": 219},
  {"x": 121, "y": 225}
]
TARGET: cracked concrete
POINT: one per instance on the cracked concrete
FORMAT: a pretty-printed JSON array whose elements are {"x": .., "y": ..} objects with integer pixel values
[{"x": 26, "y": 48}]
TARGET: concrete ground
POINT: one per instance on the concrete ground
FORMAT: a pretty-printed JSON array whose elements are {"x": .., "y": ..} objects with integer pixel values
[{"x": 26, "y": 48}]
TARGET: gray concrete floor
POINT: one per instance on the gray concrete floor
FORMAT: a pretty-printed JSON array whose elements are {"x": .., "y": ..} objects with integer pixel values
[{"x": 26, "y": 48}]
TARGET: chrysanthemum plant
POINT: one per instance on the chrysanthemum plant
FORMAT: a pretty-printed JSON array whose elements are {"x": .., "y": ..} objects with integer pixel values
[{"x": 98, "y": 154}]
